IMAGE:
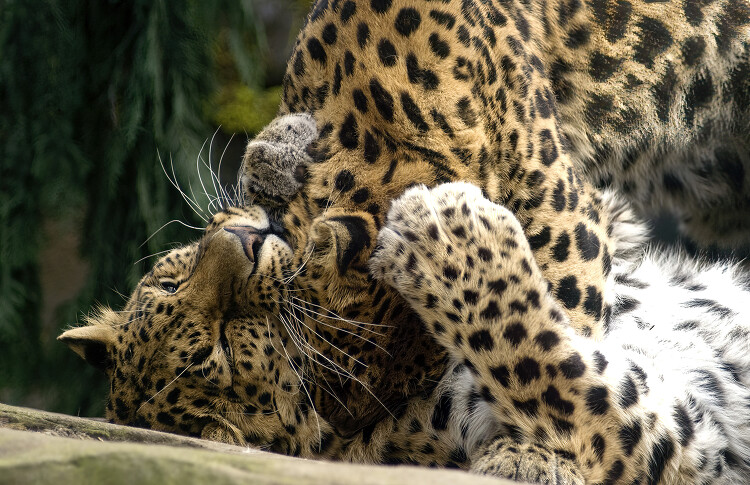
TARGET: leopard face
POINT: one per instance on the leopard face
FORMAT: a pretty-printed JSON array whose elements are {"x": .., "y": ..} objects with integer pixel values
[{"x": 200, "y": 347}]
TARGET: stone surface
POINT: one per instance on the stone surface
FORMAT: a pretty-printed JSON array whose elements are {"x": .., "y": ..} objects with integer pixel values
[{"x": 42, "y": 447}]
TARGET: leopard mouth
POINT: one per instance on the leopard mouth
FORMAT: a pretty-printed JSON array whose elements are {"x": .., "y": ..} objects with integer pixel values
[
  {"x": 226, "y": 347},
  {"x": 202, "y": 356}
]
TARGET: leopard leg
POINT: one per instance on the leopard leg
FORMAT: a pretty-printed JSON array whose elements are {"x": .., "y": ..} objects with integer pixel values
[{"x": 464, "y": 265}]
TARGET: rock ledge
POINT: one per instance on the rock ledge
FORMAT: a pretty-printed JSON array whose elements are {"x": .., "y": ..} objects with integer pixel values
[{"x": 42, "y": 447}]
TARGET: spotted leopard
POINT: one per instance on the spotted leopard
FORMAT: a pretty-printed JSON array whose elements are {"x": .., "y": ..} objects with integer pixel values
[
  {"x": 660, "y": 399},
  {"x": 530, "y": 100},
  {"x": 274, "y": 308}
]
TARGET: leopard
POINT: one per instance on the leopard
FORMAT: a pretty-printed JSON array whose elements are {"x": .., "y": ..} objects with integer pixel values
[
  {"x": 541, "y": 104},
  {"x": 274, "y": 330},
  {"x": 660, "y": 399}
]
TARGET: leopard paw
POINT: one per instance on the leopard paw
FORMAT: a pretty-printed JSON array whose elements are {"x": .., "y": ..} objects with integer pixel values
[
  {"x": 435, "y": 237},
  {"x": 525, "y": 462},
  {"x": 273, "y": 168}
]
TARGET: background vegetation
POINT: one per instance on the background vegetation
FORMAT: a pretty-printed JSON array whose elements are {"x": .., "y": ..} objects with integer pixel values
[{"x": 93, "y": 95}]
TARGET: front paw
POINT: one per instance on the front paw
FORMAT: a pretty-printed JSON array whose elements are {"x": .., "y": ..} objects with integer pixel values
[
  {"x": 525, "y": 462},
  {"x": 434, "y": 238},
  {"x": 274, "y": 166}
]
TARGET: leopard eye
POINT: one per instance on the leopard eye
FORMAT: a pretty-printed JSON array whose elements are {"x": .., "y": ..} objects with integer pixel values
[{"x": 170, "y": 286}]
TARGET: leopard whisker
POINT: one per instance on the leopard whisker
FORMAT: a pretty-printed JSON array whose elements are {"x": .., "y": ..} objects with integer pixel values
[
  {"x": 303, "y": 310},
  {"x": 327, "y": 389},
  {"x": 159, "y": 253},
  {"x": 301, "y": 380},
  {"x": 165, "y": 225},
  {"x": 304, "y": 378},
  {"x": 296, "y": 337},
  {"x": 343, "y": 372},
  {"x": 215, "y": 200},
  {"x": 214, "y": 203},
  {"x": 277, "y": 280},
  {"x": 336, "y": 369},
  {"x": 164, "y": 388},
  {"x": 192, "y": 192},
  {"x": 120, "y": 294},
  {"x": 332, "y": 199},
  {"x": 326, "y": 340},
  {"x": 339, "y": 317},
  {"x": 209, "y": 166},
  {"x": 333, "y": 367},
  {"x": 302, "y": 265},
  {"x": 218, "y": 172},
  {"x": 198, "y": 159},
  {"x": 194, "y": 206},
  {"x": 346, "y": 373}
]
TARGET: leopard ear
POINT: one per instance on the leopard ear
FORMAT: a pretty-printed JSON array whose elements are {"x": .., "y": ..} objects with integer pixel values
[{"x": 95, "y": 342}]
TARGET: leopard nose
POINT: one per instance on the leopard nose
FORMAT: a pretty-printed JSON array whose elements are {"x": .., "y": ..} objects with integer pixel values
[{"x": 250, "y": 238}]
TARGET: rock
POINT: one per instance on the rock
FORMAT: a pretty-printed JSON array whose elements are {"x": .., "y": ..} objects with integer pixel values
[{"x": 42, "y": 447}]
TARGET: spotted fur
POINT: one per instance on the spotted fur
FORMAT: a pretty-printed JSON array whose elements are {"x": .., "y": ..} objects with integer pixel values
[
  {"x": 661, "y": 399},
  {"x": 529, "y": 100},
  {"x": 271, "y": 330}
]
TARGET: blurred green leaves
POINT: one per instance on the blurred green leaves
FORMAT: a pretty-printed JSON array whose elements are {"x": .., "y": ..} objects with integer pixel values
[{"x": 239, "y": 108}]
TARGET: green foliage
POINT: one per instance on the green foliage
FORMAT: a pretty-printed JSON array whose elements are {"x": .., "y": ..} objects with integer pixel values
[
  {"x": 91, "y": 92},
  {"x": 241, "y": 108}
]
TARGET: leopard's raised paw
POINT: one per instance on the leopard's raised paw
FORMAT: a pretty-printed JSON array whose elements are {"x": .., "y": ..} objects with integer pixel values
[{"x": 433, "y": 237}]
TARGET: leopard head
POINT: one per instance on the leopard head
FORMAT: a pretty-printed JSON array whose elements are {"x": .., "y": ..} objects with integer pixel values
[
  {"x": 268, "y": 322},
  {"x": 201, "y": 346}
]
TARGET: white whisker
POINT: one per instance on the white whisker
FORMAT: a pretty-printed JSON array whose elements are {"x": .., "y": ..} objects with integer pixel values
[
  {"x": 338, "y": 317},
  {"x": 165, "y": 225},
  {"x": 346, "y": 373},
  {"x": 325, "y": 340},
  {"x": 218, "y": 170},
  {"x": 299, "y": 269},
  {"x": 210, "y": 167},
  {"x": 194, "y": 206},
  {"x": 165, "y": 387},
  {"x": 336, "y": 369},
  {"x": 301, "y": 380},
  {"x": 198, "y": 159},
  {"x": 303, "y": 310},
  {"x": 152, "y": 255}
]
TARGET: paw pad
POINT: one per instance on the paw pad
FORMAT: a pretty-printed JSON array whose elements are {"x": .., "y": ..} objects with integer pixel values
[{"x": 273, "y": 168}]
